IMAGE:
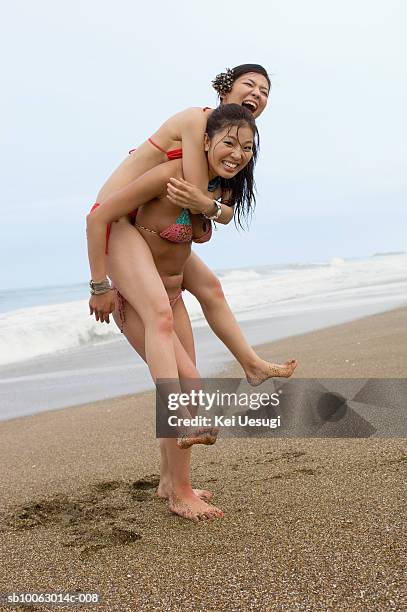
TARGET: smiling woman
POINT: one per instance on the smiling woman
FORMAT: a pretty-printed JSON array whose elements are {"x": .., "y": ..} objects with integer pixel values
[
  {"x": 230, "y": 145},
  {"x": 247, "y": 85},
  {"x": 149, "y": 250},
  {"x": 241, "y": 81},
  {"x": 231, "y": 150}
]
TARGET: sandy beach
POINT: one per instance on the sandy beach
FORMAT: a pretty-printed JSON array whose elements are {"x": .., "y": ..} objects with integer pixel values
[{"x": 310, "y": 524}]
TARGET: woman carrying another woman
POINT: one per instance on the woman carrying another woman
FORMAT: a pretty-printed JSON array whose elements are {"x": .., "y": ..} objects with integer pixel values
[
  {"x": 130, "y": 262},
  {"x": 230, "y": 145}
]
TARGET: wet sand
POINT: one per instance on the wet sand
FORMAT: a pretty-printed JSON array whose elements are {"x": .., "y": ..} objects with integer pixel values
[{"x": 310, "y": 524}]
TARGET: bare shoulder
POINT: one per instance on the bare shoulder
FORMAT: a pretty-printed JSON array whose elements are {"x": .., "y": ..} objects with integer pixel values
[
  {"x": 191, "y": 117},
  {"x": 196, "y": 116}
]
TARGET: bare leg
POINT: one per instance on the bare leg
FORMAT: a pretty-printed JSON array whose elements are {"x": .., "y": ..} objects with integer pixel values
[
  {"x": 183, "y": 329},
  {"x": 182, "y": 326},
  {"x": 133, "y": 329},
  {"x": 206, "y": 287},
  {"x": 133, "y": 271},
  {"x": 131, "y": 267},
  {"x": 176, "y": 486},
  {"x": 180, "y": 501}
]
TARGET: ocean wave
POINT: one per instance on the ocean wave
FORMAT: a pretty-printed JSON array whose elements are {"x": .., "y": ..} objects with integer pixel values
[
  {"x": 265, "y": 291},
  {"x": 30, "y": 332}
]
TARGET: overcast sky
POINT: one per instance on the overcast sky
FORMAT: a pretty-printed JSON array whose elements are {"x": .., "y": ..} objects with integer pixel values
[{"x": 84, "y": 81}]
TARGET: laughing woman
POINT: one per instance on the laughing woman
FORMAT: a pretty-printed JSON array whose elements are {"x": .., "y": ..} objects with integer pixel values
[
  {"x": 230, "y": 151},
  {"x": 129, "y": 256}
]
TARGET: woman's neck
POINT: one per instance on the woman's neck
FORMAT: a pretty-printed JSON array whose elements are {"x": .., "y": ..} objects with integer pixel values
[{"x": 214, "y": 183}]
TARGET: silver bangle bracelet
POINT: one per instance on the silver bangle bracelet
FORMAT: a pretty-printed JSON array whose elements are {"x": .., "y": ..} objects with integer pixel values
[
  {"x": 216, "y": 214},
  {"x": 100, "y": 288}
]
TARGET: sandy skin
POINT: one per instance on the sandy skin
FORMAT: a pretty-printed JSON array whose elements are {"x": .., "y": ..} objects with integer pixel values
[
  {"x": 260, "y": 372},
  {"x": 163, "y": 493},
  {"x": 263, "y": 370},
  {"x": 190, "y": 506}
]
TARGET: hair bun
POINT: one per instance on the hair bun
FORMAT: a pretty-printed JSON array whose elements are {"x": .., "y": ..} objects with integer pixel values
[{"x": 223, "y": 82}]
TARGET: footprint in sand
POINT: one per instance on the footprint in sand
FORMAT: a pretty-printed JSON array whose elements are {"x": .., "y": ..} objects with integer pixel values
[
  {"x": 91, "y": 540},
  {"x": 107, "y": 485},
  {"x": 102, "y": 518},
  {"x": 148, "y": 482},
  {"x": 140, "y": 490}
]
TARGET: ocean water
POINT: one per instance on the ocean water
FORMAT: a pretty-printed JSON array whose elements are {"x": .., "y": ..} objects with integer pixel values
[{"x": 46, "y": 320}]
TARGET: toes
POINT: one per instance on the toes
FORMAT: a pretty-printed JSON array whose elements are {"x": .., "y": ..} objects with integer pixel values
[
  {"x": 214, "y": 512},
  {"x": 203, "y": 494},
  {"x": 209, "y": 515},
  {"x": 207, "y": 436},
  {"x": 219, "y": 513},
  {"x": 184, "y": 443},
  {"x": 191, "y": 516}
]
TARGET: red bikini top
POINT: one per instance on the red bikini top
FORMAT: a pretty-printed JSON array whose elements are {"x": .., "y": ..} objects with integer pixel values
[{"x": 174, "y": 153}]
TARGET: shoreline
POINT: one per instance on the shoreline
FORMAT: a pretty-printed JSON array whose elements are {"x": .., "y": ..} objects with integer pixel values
[
  {"x": 304, "y": 517},
  {"x": 109, "y": 370},
  {"x": 373, "y": 346}
]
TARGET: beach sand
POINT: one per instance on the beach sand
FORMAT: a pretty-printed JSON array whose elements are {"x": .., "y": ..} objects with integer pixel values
[{"x": 310, "y": 524}]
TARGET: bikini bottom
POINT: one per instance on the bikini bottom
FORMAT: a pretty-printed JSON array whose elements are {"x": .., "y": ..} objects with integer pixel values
[{"x": 121, "y": 302}]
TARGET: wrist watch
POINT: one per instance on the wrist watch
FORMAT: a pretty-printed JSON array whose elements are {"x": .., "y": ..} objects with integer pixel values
[{"x": 217, "y": 213}]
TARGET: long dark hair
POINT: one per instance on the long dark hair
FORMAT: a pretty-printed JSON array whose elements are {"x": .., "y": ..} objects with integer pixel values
[{"x": 240, "y": 188}]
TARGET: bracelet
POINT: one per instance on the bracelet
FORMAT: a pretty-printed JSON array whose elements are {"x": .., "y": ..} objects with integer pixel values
[
  {"x": 216, "y": 214},
  {"x": 99, "y": 288}
]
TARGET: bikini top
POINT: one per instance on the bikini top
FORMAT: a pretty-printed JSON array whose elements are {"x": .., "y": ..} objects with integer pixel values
[
  {"x": 174, "y": 153},
  {"x": 181, "y": 230}
]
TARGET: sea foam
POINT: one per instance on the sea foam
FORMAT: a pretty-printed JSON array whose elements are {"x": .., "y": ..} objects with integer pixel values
[{"x": 256, "y": 292}]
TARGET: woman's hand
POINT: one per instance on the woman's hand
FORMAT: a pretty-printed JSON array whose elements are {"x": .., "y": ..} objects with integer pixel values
[
  {"x": 102, "y": 305},
  {"x": 183, "y": 194}
]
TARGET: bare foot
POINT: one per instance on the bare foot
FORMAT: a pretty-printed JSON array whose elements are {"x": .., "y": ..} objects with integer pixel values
[
  {"x": 264, "y": 370},
  {"x": 199, "y": 436},
  {"x": 204, "y": 494},
  {"x": 193, "y": 508}
]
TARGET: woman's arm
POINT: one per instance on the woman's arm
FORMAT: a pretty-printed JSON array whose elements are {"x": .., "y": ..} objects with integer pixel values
[
  {"x": 122, "y": 202},
  {"x": 181, "y": 193},
  {"x": 192, "y": 192},
  {"x": 194, "y": 161}
]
